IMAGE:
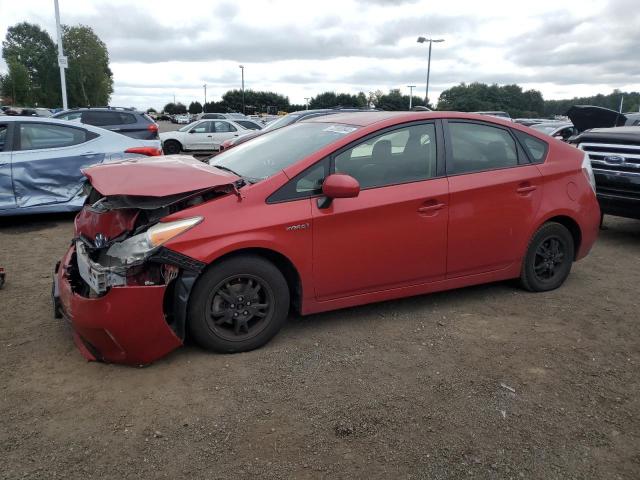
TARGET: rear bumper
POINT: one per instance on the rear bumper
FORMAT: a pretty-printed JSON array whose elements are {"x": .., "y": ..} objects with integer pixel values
[{"x": 126, "y": 325}]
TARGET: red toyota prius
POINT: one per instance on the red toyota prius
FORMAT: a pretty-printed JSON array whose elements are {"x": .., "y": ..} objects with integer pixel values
[{"x": 328, "y": 213}]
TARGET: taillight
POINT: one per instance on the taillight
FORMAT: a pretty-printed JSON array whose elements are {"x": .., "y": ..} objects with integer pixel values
[
  {"x": 148, "y": 151},
  {"x": 152, "y": 127}
]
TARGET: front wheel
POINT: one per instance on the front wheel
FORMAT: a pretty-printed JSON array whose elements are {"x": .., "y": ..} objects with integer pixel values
[
  {"x": 238, "y": 305},
  {"x": 548, "y": 260}
]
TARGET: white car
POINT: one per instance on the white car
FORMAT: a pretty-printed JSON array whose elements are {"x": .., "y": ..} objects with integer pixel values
[
  {"x": 183, "y": 119},
  {"x": 201, "y": 136},
  {"x": 41, "y": 161}
]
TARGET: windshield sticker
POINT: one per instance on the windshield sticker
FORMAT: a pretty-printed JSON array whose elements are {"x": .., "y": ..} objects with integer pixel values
[{"x": 344, "y": 129}]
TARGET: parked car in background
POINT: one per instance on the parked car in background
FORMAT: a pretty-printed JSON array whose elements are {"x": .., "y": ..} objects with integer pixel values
[
  {"x": 560, "y": 130},
  {"x": 633, "y": 119},
  {"x": 200, "y": 136},
  {"x": 615, "y": 156},
  {"x": 498, "y": 114},
  {"x": 284, "y": 121},
  {"x": 249, "y": 124},
  {"x": 531, "y": 121},
  {"x": 41, "y": 161},
  {"x": 331, "y": 212},
  {"x": 222, "y": 116},
  {"x": 125, "y": 121},
  {"x": 183, "y": 119}
]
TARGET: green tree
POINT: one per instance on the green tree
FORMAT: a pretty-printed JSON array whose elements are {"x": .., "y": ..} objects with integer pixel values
[
  {"x": 395, "y": 100},
  {"x": 195, "y": 107},
  {"x": 29, "y": 48},
  {"x": 89, "y": 78},
  {"x": 151, "y": 110},
  {"x": 16, "y": 84}
]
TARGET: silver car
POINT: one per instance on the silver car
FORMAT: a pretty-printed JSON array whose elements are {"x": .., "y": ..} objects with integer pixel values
[{"x": 41, "y": 161}]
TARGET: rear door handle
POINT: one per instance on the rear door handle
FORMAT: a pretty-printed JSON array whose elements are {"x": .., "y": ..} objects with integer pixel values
[
  {"x": 526, "y": 189},
  {"x": 430, "y": 208}
]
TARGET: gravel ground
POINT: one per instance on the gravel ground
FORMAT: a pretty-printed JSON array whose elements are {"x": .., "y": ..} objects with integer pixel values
[{"x": 484, "y": 382}]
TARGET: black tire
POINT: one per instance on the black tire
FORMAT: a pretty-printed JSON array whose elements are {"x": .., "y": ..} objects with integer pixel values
[
  {"x": 171, "y": 147},
  {"x": 222, "y": 316},
  {"x": 548, "y": 260}
]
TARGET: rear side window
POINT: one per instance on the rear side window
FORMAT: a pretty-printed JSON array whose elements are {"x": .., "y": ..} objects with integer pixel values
[
  {"x": 476, "y": 147},
  {"x": 535, "y": 148},
  {"x": 100, "y": 119},
  {"x": 127, "y": 118},
  {"x": 36, "y": 136},
  {"x": 249, "y": 125},
  {"x": 224, "y": 127}
]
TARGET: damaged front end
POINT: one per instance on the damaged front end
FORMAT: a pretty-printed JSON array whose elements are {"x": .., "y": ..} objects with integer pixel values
[{"x": 124, "y": 292}]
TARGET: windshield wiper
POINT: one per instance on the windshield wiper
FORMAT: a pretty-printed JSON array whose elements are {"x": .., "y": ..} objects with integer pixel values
[{"x": 246, "y": 179}]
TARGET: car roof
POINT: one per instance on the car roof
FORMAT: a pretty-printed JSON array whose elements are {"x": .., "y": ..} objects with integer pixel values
[
  {"x": 365, "y": 118},
  {"x": 99, "y": 109}
]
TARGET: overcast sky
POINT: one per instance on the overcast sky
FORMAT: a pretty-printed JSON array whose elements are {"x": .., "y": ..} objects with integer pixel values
[{"x": 159, "y": 49}]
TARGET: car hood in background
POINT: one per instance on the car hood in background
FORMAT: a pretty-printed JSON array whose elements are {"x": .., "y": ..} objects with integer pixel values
[
  {"x": 157, "y": 176},
  {"x": 585, "y": 117}
]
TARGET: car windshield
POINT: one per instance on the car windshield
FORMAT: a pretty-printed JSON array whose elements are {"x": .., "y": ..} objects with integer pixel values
[
  {"x": 548, "y": 129},
  {"x": 282, "y": 122},
  {"x": 268, "y": 154},
  {"x": 187, "y": 127}
]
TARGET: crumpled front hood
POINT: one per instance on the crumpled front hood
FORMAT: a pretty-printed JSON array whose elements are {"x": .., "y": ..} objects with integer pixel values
[
  {"x": 157, "y": 176},
  {"x": 585, "y": 117}
]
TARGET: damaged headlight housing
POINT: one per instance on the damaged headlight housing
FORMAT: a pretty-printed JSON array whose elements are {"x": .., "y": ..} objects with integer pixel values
[{"x": 136, "y": 248}]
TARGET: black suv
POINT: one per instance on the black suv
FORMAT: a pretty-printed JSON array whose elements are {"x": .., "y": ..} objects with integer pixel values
[
  {"x": 126, "y": 121},
  {"x": 615, "y": 158}
]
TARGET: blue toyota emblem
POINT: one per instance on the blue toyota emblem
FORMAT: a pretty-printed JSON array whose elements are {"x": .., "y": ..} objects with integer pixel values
[{"x": 100, "y": 240}]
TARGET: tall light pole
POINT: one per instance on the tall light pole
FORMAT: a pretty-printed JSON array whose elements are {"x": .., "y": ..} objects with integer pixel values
[
  {"x": 242, "y": 69},
  {"x": 306, "y": 99},
  {"x": 411, "y": 87},
  {"x": 205, "y": 97},
  {"x": 62, "y": 60},
  {"x": 430, "y": 40}
]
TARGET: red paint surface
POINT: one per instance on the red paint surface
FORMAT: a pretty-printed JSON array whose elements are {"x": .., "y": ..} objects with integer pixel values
[{"x": 111, "y": 224}]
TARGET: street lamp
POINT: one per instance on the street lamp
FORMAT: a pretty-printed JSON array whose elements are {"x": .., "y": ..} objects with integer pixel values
[
  {"x": 205, "y": 98},
  {"x": 430, "y": 40},
  {"x": 242, "y": 69},
  {"x": 62, "y": 60},
  {"x": 411, "y": 87},
  {"x": 306, "y": 99}
]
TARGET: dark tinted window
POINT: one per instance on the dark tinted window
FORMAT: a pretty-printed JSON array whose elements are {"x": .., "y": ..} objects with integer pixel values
[
  {"x": 536, "y": 149},
  {"x": 402, "y": 155},
  {"x": 476, "y": 147},
  {"x": 224, "y": 127},
  {"x": 3, "y": 136},
  {"x": 34, "y": 136},
  {"x": 100, "y": 119},
  {"x": 127, "y": 118}
]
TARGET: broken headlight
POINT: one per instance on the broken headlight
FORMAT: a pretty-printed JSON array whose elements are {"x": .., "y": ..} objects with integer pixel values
[{"x": 136, "y": 248}]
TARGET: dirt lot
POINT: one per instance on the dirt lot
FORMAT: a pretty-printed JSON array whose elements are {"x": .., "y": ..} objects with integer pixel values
[{"x": 486, "y": 382}]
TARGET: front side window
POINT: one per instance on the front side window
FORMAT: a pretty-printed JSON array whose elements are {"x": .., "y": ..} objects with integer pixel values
[
  {"x": 202, "y": 127},
  {"x": 224, "y": 127},
  {"x": 403, "y": 155},
  {"x": 35, "y": 136},
  {"x": 476, "y": 147},
  {"x": 272, "y": 152}
]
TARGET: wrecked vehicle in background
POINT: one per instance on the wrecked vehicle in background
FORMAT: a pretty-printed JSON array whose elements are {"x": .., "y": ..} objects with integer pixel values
[
  {"x": 614, "y": 152},
  {"x": 331, "y": 212},
  {"x": 41, "y": 162}
]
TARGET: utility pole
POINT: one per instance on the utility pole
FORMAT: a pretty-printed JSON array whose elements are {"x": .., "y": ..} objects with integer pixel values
[
  {"x": 205, "y": 98},
  {"x": 242, "y": 69},
  {"x": 431, "y": 41},
  {"x": 411, "y": 87},
  {"x": 62, "y": 60},
  {"x": 306, "y": 99}
]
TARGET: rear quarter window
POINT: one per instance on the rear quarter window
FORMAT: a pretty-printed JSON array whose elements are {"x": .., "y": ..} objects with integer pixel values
[{"x": 536, "y": 149}]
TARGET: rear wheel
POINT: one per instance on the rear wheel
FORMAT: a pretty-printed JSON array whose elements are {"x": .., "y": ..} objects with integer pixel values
[
  {"x": 171, "y": 147},
  {"x": 549, "y": 258},
  {"x": 238, "y": 305}
]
